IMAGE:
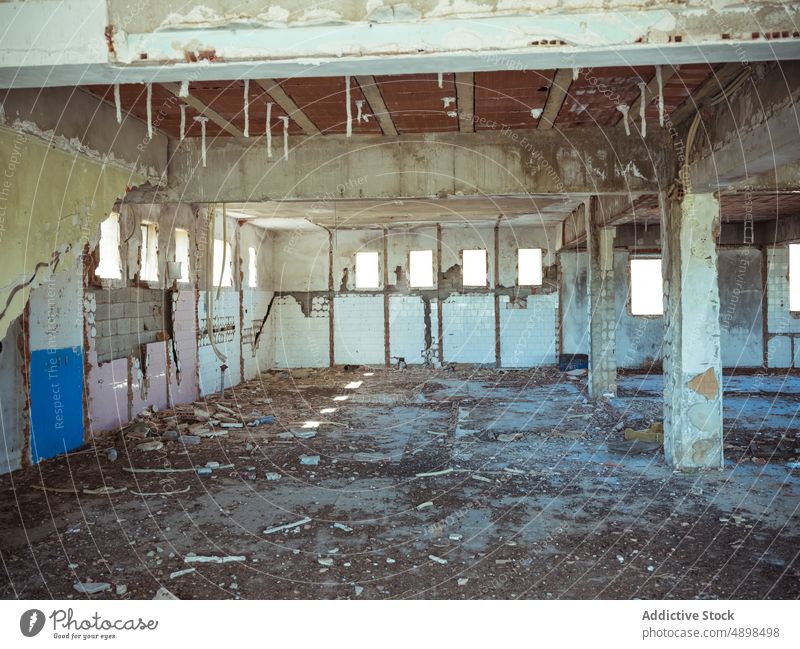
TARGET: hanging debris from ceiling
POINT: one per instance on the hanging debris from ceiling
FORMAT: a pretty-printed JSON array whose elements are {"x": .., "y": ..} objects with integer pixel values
[
  {"x": 202, "y": 121},
  {"x": 285, "y": 121},
  {"x": 269, "y": 130},
  {"x": 117, "y": 103},
  {"x": 150, "y": 110},
  {"x": 643, "y": 107},
  {"x": 349, "y": 109},
  {"x": 624, "y": 109},
  {"x": 247, "y": 107}
]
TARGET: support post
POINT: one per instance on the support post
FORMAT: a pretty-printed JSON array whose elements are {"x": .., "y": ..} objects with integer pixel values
[
  {"x": 602, "y": 321},
  {"x": 692, "y": 361}
]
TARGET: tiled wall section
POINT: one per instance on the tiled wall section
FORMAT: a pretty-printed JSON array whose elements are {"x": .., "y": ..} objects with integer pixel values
[
  {"x": 783, "y": 349},
  {"x": 407, "y": 328},
  {"x": 358, "y": 335},
  {"x": 468, "y": 329},
  {"x": 301, "y": 341},
  {"x": 528, "y": 335},
  {"x": 227, "y": 328}
]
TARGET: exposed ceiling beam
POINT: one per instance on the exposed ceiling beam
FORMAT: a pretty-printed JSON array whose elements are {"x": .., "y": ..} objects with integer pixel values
[
  {"x": 710, "y": 87},
  {"x": 465, "y": 99},
  {"x": 201, "y": 108},
  {"x": 271, "y": 87},
  {"x": 376, "y": 104},
  {"x": 651, "y": 90},
  {"x": 555, "y": 98}
]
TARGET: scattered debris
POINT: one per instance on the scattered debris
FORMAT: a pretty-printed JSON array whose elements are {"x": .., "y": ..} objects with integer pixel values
[
  {"x": 432, "y": 474},
  {"x": 154, "y": 445},
  {"x": 325, "y": 562},
  {"x": 655, "y": 433},
  {"x": 372, "y": 457},
  {"x": 288, "y": 526},
  {"x": 309, "y": 460},
  {"x": 162, "y": 594},
  {"x": 456, "y": 537},
  {"x": 425, "y": 505},
  {"x": 105, "y": 491},
  {"x": 195, "y": 558},
  {"x": 343, "y": 527},
  {"x": 181, "y": 573},
  {"x": 121, "y": 589},
  {"x": 272, "y": 477},
  {"x": 92, "y": 587},
  {"x": 162, "y": 493},
  {"x": 510, "y": 437},
  {"x": 634, "y": 447},
  {"x": 358, "y": 589},
  {"x": 303, "y": 434},
  {"x": 111, "y": 454},
  {"x": 436, "y": 559},
  {"x": 480, "y": 478},
  {"x": 463, "y": 581}
]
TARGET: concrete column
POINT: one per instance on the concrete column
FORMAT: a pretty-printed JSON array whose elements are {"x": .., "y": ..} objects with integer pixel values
[
  {"x": 692, "y": 365},
  {"x": 602, "y": 321}
]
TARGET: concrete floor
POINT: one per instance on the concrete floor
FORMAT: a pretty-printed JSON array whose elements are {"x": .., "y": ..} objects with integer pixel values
[{"x": 553, "y": 515}]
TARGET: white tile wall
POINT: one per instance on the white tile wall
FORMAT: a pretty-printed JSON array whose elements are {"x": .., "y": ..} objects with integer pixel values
[
  {"x": 780, "y": 319},
  {"x": 528, "y": 337},
  {"x": 301, "y": 341},
  {"x": 779, "y": 351},
  {"x": 226, "y": 306},
  {"x": 358, "y": 335},
  {"x": 407, "y": 328},
  {"x": 468, "y": 329}
]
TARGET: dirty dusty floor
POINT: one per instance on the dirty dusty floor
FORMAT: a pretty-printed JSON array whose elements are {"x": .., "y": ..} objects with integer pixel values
[{"x": 553, "y": 515}]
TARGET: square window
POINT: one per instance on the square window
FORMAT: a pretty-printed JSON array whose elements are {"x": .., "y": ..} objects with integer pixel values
[
  {"x": 252, "y": 268},
  {"x": 420, "y": 273},
  {"x": 794, "y": 277},
  {"x": 226, "y": 274},
  {"x": 182, "y": 253},
  {"x": 148, "y": 255},
  {"x": 646, "y": 287},
  {"x": 529, "y": 267},
  {"x": 110, "y": 265},
  {"x": 474, "y": 268},
  {"x": 367, "y": 270}
]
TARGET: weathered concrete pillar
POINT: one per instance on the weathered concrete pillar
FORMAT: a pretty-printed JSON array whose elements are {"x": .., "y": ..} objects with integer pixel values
[
  {"x": 692, "y": 365},
  {"x": 602, "y": 321}
]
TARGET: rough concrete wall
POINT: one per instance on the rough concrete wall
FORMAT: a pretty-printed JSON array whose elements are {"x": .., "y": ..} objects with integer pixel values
[
  {"x": 638, "y": 338},
  {"x": 300, "y": 261},
  {"x": 574, "y": 288},
  {"x": 741, "y": 319}
]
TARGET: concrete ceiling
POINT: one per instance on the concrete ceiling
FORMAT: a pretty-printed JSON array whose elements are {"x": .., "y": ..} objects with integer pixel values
[{"x": 346, "y": 214}]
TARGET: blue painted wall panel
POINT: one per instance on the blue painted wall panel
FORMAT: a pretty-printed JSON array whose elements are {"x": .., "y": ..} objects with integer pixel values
[{"x": 56, "y": 402}]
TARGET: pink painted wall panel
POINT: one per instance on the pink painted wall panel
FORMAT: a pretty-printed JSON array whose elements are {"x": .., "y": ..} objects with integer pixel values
[{"x": 107, "y": 387}]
